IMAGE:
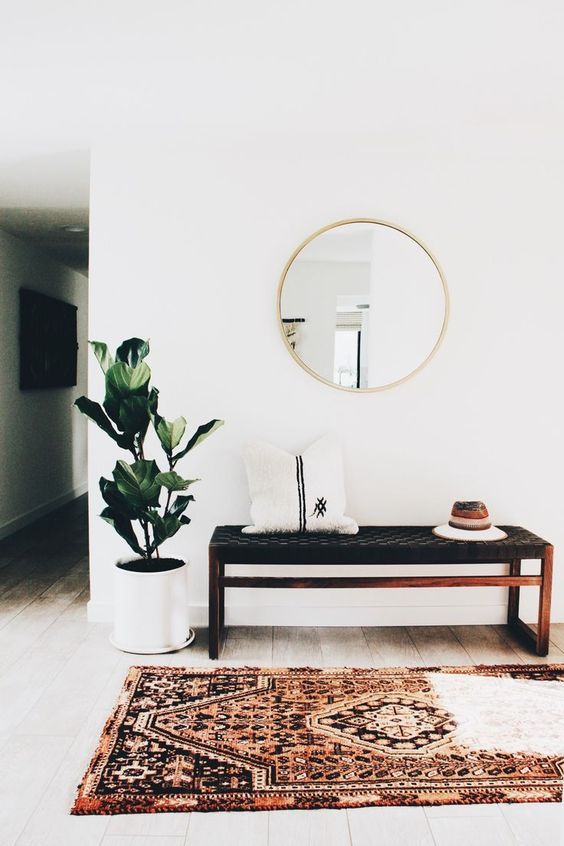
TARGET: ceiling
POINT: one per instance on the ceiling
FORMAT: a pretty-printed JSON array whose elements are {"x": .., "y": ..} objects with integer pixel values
[
  {"x": 40, "y": 196},
  {"x": 474, "y": 78},
  {"x": 451, "y": 73},
  {"x": 46, "y": 229}
]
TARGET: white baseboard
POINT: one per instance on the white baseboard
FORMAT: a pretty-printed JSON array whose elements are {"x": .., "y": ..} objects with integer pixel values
[
  {"x": 24, "y": 520},
  {"x": 277, "y": 615}
]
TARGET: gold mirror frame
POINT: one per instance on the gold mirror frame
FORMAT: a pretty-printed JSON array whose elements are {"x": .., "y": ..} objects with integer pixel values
[{"x": 296, "y": 253}]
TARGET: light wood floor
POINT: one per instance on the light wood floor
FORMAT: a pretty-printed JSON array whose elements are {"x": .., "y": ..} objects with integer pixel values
[{"x": 59, "y": 677}]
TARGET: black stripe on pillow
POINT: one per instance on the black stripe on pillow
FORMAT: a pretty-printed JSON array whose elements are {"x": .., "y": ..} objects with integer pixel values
[{"x": 301, "y": 493}]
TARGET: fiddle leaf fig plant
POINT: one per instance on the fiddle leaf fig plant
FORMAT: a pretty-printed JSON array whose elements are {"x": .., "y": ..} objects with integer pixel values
[{"x": 144, "y": 504}]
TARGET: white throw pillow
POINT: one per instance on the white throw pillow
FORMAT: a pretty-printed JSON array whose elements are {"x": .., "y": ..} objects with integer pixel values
[{"x": 297, "y": 493}]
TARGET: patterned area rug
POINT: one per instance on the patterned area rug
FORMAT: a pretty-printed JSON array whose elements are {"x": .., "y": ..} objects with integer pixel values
[{"x": 184, "y": 739}]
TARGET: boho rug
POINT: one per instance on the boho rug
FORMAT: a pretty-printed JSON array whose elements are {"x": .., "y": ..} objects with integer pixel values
[{"x": 239, "y": 739}]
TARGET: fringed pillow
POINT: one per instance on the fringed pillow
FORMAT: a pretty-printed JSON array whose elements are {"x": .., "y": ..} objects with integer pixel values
[{"x": 297, "y": 493}]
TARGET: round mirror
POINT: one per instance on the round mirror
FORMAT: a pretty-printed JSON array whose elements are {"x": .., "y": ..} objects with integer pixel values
[{"x": 363, "y": 305}]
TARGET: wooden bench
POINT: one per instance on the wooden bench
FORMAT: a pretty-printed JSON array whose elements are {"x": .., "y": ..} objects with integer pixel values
[{"x": 383, "y": 545}]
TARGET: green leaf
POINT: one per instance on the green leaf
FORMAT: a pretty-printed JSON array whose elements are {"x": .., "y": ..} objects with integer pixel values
[
  {"x": 153, "y": 401},
  {"x": 169, "y": 527},
  {"x": 132, "y": 351},
  {"x": 105, "y": 360},
  {"x": 134, "y": 415},
  {"x": 123, "y": 382},
  {"x": 180, "y": 505},
  {"x": 115, "y": 499},
  {"x": 201, "y": 434},
  {"x": 173, "y": 482},
  {"x": 96, "y": 413},
  {"x": 123, "y": 527},
  {"x": 137, "y": 483},
  {"x": 170, "y": 434},
  {"x": 163, "y": 527}
]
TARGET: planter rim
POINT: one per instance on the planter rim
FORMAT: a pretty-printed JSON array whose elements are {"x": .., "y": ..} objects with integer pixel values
[{"x": 146, "y": 574}]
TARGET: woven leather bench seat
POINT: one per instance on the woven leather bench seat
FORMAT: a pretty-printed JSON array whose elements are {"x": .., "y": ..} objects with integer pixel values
[
  {"x": 380, "y": 545},
  {"x": 372, "y": 545}
]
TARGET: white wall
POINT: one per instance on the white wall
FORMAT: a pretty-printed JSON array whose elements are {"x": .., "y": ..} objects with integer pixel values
[
  {"x": 42, "y": 438},
  {"x": 188, "y": 243}
]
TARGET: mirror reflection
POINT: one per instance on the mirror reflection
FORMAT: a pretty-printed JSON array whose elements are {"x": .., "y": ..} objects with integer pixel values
[{"x": 363, "y": 305}]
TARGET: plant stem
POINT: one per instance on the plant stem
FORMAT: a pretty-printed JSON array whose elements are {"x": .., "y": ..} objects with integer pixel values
[
  {"x": 147, "y": 539},
  {"x": 155, "y": 544}
]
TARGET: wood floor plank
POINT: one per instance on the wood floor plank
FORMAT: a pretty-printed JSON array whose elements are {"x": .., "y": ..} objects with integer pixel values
[
  {"x": 51, "y": 823},
  {"x": 197, "y": 653},
  {"x": 146, "y": 825},
  {"x": 492, "y": 811},
  {"x": 296, "y": 646},
  {"x": 233, "y": 632},
  {"x": 77, "y": 609},
  {"x": 314, "y": 828},
  {"x": 28, "y": 765},
  {"x": 245, "y": 828},
  {"x": 54, "y": 528},
  {"x": 24, "y": 683},
  {"x": 29, "y": 588},
  {"x": 33, "y": 586},
  {"x": 389, "y": 827},
  {"x": 68, "y": 700},
  {"x": 32, "y": 558},
  {"x": 344, "y": 647},
  {"x": 250, "y": 646},
  {"x": 27, "y": 627},
  {"x": 141, "y": 840},
  {"x": 22, "y": 555},
  {"x": 485, "y": 645},
  {"x": 524, "y": 650},
  {"x": 392, "y": 646},
  {"x": 63, "y": 676},
  {"x": 63, "y": 637},
  {"x": 557, "y": 636},
  {"x": 536, "y": 824},
  {"x": 438, "y": 646},
  {"x": 468, "y": 831},
  {"x": 68, "y": 631}
]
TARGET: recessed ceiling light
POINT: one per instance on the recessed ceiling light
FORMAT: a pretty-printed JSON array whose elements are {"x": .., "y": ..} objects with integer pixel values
[{"x": 73, "y": 227}]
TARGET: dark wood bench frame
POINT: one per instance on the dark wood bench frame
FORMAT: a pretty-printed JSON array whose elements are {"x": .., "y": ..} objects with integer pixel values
[{"x": 380, "y": 545}]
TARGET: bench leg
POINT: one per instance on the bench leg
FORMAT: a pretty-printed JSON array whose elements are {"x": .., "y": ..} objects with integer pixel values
[
  {"x": 215, "y": 606},
  {"x": 513, "y": 599},
  {"x": 545, "y": 595},
  {"x": 221, "y": 599},
  {"x": 539, "y": 639}
]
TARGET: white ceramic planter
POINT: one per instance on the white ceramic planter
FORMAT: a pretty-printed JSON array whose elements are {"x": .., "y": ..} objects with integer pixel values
[{"x": 151, "y": 611}]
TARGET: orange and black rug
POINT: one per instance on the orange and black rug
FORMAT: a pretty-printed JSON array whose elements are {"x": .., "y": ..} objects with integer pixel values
[{"x": 240, "y": 739}]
